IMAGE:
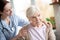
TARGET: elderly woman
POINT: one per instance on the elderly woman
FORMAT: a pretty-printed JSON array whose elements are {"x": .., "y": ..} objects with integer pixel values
[{"x": 36, "y": 29}]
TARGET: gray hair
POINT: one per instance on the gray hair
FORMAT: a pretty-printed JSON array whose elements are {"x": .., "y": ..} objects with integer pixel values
[{"x": 31, "y": 11}]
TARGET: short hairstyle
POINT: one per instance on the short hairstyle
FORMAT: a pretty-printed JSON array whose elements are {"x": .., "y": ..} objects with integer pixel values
[
  {"x": 31, "y": 10},
  {"x": 2, "y": 4}
]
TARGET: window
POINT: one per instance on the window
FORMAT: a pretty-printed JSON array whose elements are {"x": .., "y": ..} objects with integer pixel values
[{"x": 20, "y": 7}]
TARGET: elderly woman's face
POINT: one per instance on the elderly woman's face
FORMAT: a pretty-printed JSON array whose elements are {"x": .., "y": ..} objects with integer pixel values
[
  {"x": 35, "y": 19},
  {"x": 7, "y": 9}
]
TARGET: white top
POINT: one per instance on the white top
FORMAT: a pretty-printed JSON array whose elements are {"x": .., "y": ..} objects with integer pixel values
[{"x": 37, "y": 33}]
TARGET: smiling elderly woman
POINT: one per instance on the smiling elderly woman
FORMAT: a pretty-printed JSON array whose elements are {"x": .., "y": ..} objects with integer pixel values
[{"x": 37, "y": 29}]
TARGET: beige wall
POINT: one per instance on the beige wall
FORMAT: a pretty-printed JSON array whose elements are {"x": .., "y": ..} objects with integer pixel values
[{"x": 46, "y": 9}]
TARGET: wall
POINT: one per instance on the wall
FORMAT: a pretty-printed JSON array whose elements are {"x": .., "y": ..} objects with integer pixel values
[
  {"x": 57, "y": 19},
  {"x": 47, "y": 10}
]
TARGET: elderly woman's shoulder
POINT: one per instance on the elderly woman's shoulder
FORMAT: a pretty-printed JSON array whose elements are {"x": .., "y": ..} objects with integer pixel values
[
  {"x": 25, "y": 27},
  {"x": 23, "y": 30}
]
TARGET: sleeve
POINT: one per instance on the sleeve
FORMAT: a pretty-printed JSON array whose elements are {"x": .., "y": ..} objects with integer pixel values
[
  {"x": 51, "y": 35},
  {"x": 2, "y": 37},
  {"x": 21, "y": 21}
]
